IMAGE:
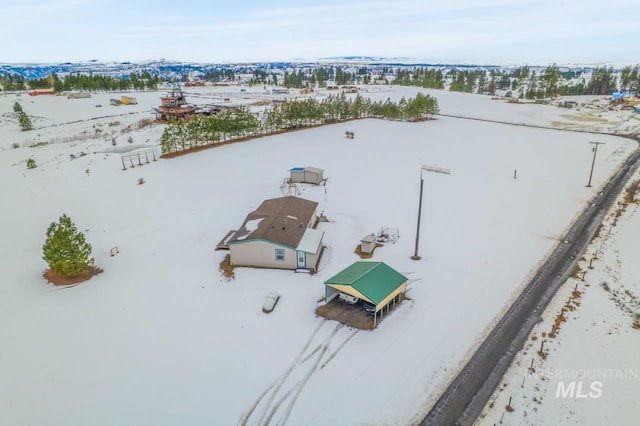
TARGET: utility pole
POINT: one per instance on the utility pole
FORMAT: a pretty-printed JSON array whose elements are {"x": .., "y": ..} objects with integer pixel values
[
  {"x": 595, "y": 151},
  {"x": 429, "y": 169},
  {"x": 415, "y": 254}
]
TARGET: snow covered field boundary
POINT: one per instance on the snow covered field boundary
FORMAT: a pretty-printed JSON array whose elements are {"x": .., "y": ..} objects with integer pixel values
[
  {"x": 571, "y": 370},
  {"x": 161, "y": 338},
  {"x": 466, "y": 375}
]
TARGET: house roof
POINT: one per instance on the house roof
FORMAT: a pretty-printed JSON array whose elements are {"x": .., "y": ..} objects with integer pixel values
[
  {"x": 375, "y": 280},
  {"x": 313, "y": 170},
  {"x": 311, "y": 240},
  {"x": 281, "y": 220}
]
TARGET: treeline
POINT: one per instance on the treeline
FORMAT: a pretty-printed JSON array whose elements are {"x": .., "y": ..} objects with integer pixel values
[
  {"x": 143, "y": 81},
  {"x": 217, "y": 75},
  {"x": 92, "y": 82},
  {"x": 13, "y": 83},
  {"x": 630, "y": 79},
  {"x": 429, "y": 78},
  {"x": 313, "y": 77},
  {"x": 181, "y": 135},
  {"x": 523, "y": 82}
]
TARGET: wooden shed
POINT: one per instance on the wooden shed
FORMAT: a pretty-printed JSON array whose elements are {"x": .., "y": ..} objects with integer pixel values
[{"x": 309, "y": 174}]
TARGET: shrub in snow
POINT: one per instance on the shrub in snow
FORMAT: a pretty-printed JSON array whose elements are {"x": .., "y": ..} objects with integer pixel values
[
  {"x": 31, "y": 163},
  {"x": 65, "y": 250}
]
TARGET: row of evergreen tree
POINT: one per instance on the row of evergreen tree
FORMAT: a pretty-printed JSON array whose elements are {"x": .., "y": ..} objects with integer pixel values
[
  {"x": 198, "y": 131},
  {"x": 523, "y": 81},
  {"x": 313, "y": 77},
  {"x": 89, "y": 82}
]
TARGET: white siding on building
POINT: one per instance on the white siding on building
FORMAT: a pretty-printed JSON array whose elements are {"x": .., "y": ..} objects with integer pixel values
[{"x": 261, "y": 254}]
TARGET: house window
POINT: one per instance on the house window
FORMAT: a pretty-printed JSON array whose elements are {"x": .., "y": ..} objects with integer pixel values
[{"x": 280, "y": 254}]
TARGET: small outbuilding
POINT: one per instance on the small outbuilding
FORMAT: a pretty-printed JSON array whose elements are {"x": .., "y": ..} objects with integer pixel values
[
  {"x": 368, "y": 243},
  {"x": 375, "y": 283},
  {"x": 309, "y": 174}
]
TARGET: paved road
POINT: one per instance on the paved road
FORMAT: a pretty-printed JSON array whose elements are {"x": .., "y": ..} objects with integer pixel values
[{"x": 464, "y": 399}]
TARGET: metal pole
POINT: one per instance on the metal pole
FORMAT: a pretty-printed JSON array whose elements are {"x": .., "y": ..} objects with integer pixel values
[
  {"x": 415, "y": 255},
  {"x": 593, "y": 162},
  {"x": 429, "y": 169}
]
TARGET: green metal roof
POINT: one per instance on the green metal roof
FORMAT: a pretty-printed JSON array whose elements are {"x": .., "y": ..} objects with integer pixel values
[{"x": 376, "y": 280}]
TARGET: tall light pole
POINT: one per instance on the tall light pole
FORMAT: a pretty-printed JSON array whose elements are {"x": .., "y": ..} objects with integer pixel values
[
  {"x": 427, "y": 168},
  {"x": 595, "y": 151}
]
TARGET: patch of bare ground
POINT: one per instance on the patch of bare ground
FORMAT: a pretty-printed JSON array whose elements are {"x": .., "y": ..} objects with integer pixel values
[
  {"x": 226, "y": 268},
  {"x": 626, "y": 301},
  {"x": 628, "y": 198},
  {"x": 60, "y": 280},
  {"x": 366, "y": 255},
  {"x": 636, "y": 323},
  {"x": 353, "y": 315}
]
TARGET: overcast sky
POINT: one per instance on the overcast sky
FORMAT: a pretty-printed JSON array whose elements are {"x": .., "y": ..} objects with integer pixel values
[{"x": 472, "y": 31}]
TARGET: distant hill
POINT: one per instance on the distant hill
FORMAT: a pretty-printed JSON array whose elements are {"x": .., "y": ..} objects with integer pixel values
[{"x": 169, "y": 70}]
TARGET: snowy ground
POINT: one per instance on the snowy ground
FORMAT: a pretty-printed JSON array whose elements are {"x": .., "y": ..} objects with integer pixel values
[
  {"x": 161, "y": 338},
  {"x": 594, "y": 350}
]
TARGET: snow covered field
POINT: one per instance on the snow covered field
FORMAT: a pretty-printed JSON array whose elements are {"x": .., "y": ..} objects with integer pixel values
[
  {"x": 161, "y": 338},
  {"x": 590, "y": 373}
]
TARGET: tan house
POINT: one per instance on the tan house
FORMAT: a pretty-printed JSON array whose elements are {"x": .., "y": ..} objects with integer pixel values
[{"x": 279, "y": 234}]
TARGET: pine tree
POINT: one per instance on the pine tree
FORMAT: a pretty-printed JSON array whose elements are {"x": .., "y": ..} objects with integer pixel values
[
  {"x": 65, "y": 250},
  {"x": 25, "y": 121},
  {"x": 17, "y": 108}
]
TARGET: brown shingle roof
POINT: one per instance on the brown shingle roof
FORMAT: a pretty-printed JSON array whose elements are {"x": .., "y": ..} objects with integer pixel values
[{"x": 284, "y": 221}]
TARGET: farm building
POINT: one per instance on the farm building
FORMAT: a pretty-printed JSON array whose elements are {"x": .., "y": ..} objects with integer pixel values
[
  {"x": 368, "y": 243},
  {"x": 349, "y": 89},
  {"x": 374, "y": 283},
  {"x": 38, "y": 92},
  {"x": 307, "y": 175},
  {"x": 174, "y": 106},
  {"x": 279, "y": 234},
  {"x": 78, "y": 95},
  {"x": 128, "y": 100}
]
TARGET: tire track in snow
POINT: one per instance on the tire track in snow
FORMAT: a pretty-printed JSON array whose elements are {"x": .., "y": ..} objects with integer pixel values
[
  {"x": 274, "y": 406},
  {"x": 301, "y": 384},
  {"x": 277, "y": 384}
]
